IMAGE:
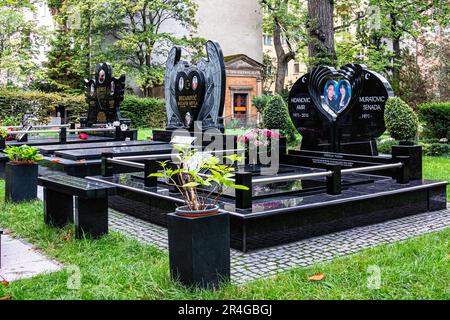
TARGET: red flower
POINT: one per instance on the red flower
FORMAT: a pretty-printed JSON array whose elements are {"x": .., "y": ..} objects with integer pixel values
[{"x": 83, "y": 136}]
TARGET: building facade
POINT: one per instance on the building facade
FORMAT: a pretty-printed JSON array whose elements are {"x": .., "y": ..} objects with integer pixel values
[{"x": 244, "y": 81}]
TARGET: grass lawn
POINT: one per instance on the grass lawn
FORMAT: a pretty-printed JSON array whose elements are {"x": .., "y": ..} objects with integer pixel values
[
  {"x": 436, "y": 168},
  {"x": 117, "y": 267}
]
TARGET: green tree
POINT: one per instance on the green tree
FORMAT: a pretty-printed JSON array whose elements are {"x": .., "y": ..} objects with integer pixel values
[
  {"x": 321, "y": 49},
  {"x": 138, "y": 39},
  {"x": 397, "y": 20},
  {"x": 285, "y": 20},
  {"x": 128, "y": 33},
  {"x": 19, "y": 43},
  {"x": 413, "y": 88}
]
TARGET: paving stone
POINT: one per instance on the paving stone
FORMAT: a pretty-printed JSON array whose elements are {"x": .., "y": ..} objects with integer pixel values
[
  {"x": 20, "y": 260},
  {"x": 268, "y": 262}
]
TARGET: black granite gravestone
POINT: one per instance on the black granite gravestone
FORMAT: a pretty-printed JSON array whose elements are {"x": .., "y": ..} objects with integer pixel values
[
  {"x": 195, "y": 93},
  {"x": 340, "y": 110},
  {"x": 104, "y": 94}
]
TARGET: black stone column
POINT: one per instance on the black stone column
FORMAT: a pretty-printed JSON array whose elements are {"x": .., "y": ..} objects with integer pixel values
[
  {"x": 199, "y": 249},
  {"x": 415, "y": 158}
]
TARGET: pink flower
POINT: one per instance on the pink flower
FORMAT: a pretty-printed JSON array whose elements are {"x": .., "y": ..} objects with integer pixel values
[{"x": 83, "y": 136}]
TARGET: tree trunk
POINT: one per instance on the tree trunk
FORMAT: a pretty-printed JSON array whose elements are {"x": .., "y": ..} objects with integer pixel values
[
  {"x": 283, "y": 59},
  {"x": 396, "y": 64},
  {"x": 321, "y": 31}
]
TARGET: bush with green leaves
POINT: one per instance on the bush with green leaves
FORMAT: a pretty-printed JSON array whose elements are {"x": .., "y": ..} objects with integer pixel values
[
  {"x": 385, "y": 146},
  {"x": 22, "y": 154},
  {"x": 15, "y": 103},
  {"x": 144, "y": 112},
  {"x": 276, "y": 116},
  {"x": 436, "y": 118},
  {"x": 435, "y": 149},
  {"x": 260, "y": 102},
  {"x": 401, "y": 120}
]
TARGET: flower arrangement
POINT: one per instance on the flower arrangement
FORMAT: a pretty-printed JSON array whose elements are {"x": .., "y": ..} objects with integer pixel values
[
  {"x": 258, "y": 137},
  {"x": 185, "y": 174}
]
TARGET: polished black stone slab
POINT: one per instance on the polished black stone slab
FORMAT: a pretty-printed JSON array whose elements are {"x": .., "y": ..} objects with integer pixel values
[
  {"x": 90, "y": 154},
  {"x": 44, "y": 140},
  {"x": 50, "y": 149},
  {"x": 76, "y": 186}
]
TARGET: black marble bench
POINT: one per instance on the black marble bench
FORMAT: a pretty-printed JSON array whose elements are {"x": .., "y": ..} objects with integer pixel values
[{"x": 76, "y": 200}]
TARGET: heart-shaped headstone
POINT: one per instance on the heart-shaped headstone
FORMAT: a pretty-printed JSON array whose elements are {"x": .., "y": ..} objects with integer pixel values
[{"x": 189, "y": 94}]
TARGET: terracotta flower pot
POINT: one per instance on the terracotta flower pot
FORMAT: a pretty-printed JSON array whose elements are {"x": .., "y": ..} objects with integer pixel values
[{"x": 186, "y": 212}]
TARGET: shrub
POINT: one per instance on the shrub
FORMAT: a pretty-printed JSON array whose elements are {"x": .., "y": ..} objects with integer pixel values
[
  {"x": 276, "y": 116},
  {"x": 385, "y": 146},
  {"x": 401, "y": 121},
  {"x": 435, "y": 149},
  {"x": 144, "y": 112},
  {"x": 260, "y": 102},
  {"x": 436, "y": 116},
  {"x": 15, "y": 103}
]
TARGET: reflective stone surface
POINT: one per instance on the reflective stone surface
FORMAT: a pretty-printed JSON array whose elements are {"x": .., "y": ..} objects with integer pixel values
[
  {"x": 118, "y": 151},
  {"x": 46, "y": 150},
  {"x": 43, "y": 140}
]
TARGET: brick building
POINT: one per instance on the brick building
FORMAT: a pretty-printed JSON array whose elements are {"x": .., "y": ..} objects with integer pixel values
[{"x": 244, "y": 81}]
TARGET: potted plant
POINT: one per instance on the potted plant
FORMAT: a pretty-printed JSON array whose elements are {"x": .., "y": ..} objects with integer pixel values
[
  {"x": 21, "y": 173},
  {"x": 3, "y": 135},
  {"x": 199, "y": 235},
  {"x": 403, "y": 125},
  {"x": 185, "y": 175}
]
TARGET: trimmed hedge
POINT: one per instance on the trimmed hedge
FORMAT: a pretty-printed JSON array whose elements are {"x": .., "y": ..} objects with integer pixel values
[
  {"x": 143, "y": 112},
  {"x": 14, "y": 104},
  {"x": 401, "y": 121},
  {"x": 436, "y": 116}
]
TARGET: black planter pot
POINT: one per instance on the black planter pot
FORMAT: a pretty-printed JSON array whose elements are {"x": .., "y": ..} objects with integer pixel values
[
  {"x": 21, "y": 182},
  {"x": 414, "y": 153},
  {"x": 199, "y": 249}
]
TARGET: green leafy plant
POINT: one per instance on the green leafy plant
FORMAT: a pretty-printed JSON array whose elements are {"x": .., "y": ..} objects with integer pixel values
[
  {"x": 186, "y": 175},
  {"x": 3, "y": 133},
  {"x": 401, "y": 121},
  {"x": 436, "y": 116},
  {"x": 385, "y": 146},
  {"x": 276, "y": 116},
  {"x": 22, "y": 154}
]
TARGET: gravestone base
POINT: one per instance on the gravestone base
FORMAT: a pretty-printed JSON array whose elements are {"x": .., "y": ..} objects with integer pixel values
[{"x": 364, "y": 148}]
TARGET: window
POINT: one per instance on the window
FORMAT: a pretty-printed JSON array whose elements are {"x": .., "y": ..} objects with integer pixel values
[
  {"x": 296, "y": 68},
  {"x": 268, "y": 41},
  {"x": 240, "y": 102}
]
